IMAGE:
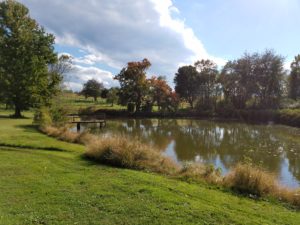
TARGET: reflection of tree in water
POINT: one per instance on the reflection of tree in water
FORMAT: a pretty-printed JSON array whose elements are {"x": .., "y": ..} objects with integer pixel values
[{"x": 228, "y": 142}]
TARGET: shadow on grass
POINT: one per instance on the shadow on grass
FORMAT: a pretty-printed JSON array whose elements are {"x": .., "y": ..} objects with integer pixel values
[
  {"x": 13, "y": 117},
  {"x": 91, "y": 162},
  {"x": 32, "y": 128},
  {"x": 31, "y": 147}
]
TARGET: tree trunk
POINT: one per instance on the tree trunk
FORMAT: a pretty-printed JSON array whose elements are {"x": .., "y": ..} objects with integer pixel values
[{"x": 17, "y": 112}]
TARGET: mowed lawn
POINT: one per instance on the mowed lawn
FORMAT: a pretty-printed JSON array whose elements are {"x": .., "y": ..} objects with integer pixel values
[{"x": 45, "y": 181}]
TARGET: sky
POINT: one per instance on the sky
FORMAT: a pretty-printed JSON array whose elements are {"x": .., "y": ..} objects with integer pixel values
[{"x": 103, "y": 35}]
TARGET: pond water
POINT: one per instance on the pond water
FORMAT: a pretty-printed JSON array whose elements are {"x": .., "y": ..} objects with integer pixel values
[{"x": 275, "y": 147}]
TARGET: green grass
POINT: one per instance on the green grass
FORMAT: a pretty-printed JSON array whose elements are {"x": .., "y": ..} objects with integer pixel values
[
  {"x": 40, "y": 186},
  {"x": 76, "y": 102}
]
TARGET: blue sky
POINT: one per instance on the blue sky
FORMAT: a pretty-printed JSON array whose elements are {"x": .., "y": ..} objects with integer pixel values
[{"x": 103, "y": 35}]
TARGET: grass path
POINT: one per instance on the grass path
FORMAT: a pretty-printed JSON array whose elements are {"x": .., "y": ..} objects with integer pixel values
[{"x": 45, "y": 181}]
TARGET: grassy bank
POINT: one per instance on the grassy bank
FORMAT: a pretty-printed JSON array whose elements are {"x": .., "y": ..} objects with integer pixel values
[{"x": 45, "y": 181}]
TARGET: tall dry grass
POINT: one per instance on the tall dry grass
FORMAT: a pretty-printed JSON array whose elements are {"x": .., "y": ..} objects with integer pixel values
[
  {"x": 250, "y": 179},
  {"x": 122, "y": 152},
  {"x": 65, "y": 135},
  {"x": 198, "y": 171}
]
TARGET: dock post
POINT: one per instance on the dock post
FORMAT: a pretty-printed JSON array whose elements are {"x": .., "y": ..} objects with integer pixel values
[{"x": 78, "y": 127}]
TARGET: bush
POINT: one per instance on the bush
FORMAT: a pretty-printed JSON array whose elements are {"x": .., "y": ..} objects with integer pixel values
[
  {"x": 249, "y": 179},
  {"x": 121, "y": 152},
  {"x": 131, "y": 107},
  {"x": 197, "y": 171},
  {"x": 289, "y": 117},
  {"x": 226, "y": 109},
  {"x": 42, "y": 117},
  {"x": 65, "y": 135},
  {"x": 59, "y": 114}
]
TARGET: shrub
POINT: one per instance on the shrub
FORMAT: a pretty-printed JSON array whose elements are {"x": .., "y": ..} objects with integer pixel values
[
  {"x": 131, "y": 107},
  {"x": 289, "y": 117},
  {"x": 65, "y": 135},
  {"x": 119, "y": 151},
  {"x": 225, "y": 109},
  {"x": 197, "y": 171},
  {"x": 250, "y": 179},
  {"x": 42, "y": 117}
]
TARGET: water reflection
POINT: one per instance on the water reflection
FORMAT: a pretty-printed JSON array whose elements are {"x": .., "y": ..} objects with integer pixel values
[{"x": 277, "y": 148}]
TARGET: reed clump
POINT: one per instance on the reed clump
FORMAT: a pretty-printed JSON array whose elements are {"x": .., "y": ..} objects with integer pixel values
[
  {"x": 122, "y": 152},
  {"x": 198, "y": 171},
  {"x": 250, "y": 179},
  {"x": 65, "y": 134}
]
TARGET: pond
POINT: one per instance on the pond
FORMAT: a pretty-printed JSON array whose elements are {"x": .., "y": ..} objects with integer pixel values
[{"x": 223, "y": 144}]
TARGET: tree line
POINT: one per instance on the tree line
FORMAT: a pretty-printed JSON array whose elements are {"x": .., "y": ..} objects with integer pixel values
[{"x": 254, "y": 81}]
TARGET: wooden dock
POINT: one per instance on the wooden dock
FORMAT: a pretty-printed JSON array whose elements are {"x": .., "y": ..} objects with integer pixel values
[{"x": 76, "y": 119}]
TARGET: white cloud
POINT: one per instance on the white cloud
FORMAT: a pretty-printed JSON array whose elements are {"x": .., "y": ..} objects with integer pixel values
[
  {"x": 80, "y": 75},
  {"x": 113, "y": 32},
  {"x": 191, "y": 42}
]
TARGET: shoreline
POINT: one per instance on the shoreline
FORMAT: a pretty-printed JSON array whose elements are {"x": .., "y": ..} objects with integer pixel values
[{"x": 254, "y": 117}]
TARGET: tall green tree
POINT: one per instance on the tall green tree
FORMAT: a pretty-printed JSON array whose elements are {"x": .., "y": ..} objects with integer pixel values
[
  {"x": 26, "y": 50},
  {"x": 294, "y": 79},
  {"x": 187, "y": 82},
  {"x": 133, "y": 82},
  {"x": 113, "y": 96},
  {"x": 92, "y": 88},
  {"x": 269, "y": 73},
  {"x": 208, "y": 72},
  {"x": 256, "y": 78}
]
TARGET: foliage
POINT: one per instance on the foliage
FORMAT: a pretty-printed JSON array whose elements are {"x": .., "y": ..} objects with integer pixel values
[
  {"x": 187, "y": 82},
  {"x": 133, "y": 82},
  {"x": 113, "y": 96},
  {"x": 289, "y": 117},
  {"x": 42, "y": 117},
  {"x": 131, "y": 107},
  {"x": 162, "y": 95},
  {"x": 123, "y": 152},
  {"x": 208, "y": 88},
  {"x": 104, "y": 93},
  {"x": 294, "y": 79},
  {"x": 249, "y": 179},
  {"x": 55, "y": 115},
  {"x": 256, "y": 76},
  {"x": 92, "y": 88},
  {"x": 24, "y": 76},
  {"x": 198, "y": 171}
]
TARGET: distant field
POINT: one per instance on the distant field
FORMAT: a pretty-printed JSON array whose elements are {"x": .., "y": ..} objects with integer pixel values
[{"x": 76, "y": 102}]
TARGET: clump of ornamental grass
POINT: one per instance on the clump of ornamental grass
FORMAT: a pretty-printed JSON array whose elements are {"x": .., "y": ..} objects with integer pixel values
[
  {"x": 253, "y": 180},
  {"x": 65, "y": 135},
  {"x": 289, "y": 195},
  {"x": 250, "y": 179},
  {"x": 120, "y": 151},
  {"x": 199, "y": 172}
]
